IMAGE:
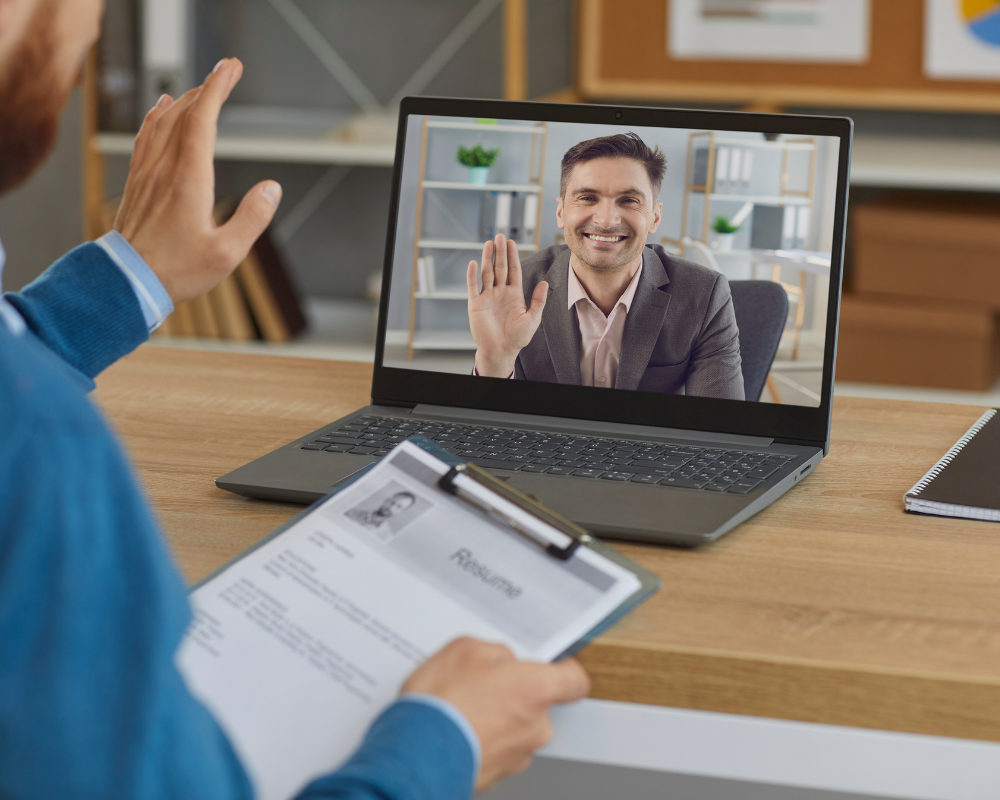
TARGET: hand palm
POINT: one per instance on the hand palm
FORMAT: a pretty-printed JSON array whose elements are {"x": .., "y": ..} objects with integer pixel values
[
  {"x": 502, "y": 319},
  {"x": 501, "y": 322}
]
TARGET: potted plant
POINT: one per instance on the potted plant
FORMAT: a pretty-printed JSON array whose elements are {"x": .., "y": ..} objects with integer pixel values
[
  {"x": 725, "y": 233},
  {"x": 478, "y": 160}
]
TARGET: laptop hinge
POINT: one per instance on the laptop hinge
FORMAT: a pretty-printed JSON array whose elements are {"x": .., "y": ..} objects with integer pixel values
[{"x": 586, "y": 426}]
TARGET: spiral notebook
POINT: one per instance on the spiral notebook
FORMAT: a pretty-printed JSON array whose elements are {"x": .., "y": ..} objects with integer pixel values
[{"x": 966, "y": 481}]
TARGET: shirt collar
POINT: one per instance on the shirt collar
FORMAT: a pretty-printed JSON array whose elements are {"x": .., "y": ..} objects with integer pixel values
[
  {"x": 577, "y": 292},
  {"x": 8, "y": 314}
]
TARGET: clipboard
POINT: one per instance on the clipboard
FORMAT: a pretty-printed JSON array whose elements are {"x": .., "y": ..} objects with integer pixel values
[
  {"x": 649, "y": 583},
  {"x": 338, "y": 606}
]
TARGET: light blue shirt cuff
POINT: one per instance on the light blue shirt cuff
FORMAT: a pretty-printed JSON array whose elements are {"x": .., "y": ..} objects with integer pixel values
[
  {"x": 153, "y": 298},
  {"x": 455, "y": 716}
]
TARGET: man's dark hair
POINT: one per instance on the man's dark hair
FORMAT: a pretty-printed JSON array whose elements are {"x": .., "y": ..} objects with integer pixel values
[{"x": 620, "y": 145}]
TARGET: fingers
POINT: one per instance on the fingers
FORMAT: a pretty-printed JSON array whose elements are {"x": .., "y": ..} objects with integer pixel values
[
  {"x": 488, "y": 251},
  {"x": 166, "y": 122},
  {"x": 500, "y": 268},
  {"x": 513, "y": 264},
  {"x": 146, "y": 131},
  {"x": 252, "y": 216},
  {"x": 569, "y": 681},
  {"x": 538, "y": 299},
  {"x": 202, "y": 122},
  {"x": 472, "y": 279}
]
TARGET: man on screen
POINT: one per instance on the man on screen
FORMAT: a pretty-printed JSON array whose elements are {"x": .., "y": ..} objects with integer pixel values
[{"x": 605, "y": 309}]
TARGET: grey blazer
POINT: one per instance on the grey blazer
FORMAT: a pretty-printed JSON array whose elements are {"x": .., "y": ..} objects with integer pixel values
[{"x": 680, "y": 334}]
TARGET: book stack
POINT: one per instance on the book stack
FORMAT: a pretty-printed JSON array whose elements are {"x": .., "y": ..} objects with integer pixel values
[{"x": 257, "y": 301}]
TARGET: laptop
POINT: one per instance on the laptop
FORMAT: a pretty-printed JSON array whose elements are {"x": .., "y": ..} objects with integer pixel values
[{"x": 678, "y": 378}]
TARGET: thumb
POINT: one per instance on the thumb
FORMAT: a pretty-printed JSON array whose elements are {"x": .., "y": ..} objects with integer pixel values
[
  {"x": 252, "y": 216},
  {"x": 538, "y": 299}
]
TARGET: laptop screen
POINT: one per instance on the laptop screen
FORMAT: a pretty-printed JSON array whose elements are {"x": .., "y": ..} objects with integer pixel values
[{"x": 674, "y": 260}]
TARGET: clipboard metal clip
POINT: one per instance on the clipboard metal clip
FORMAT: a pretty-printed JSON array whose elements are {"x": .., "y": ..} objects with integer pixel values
[{"x": 573, "y": 534}]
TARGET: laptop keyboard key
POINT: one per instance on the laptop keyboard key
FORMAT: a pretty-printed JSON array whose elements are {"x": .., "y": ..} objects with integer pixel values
[
  {"x": 588, "y": 473},
  {"x": 762, "y": 472},
  {"x": 715, "y": 487},
  {"x": 740, "y": 488},
  {"x": 647, "y": 479},
  {"x": 617, "y": 476},
  {"x": 534, "y": 468},
  {"x": 572, "y": 464},
  {"x": 560, "y": 471},
  {"x": 493, "y": 463},
  {"x": 338, "y": 448},
  {"x": 329, "y": 439},
  {"x": 683, "y": 483},
  {"x": 362, "y": 451},
  {"x": 314, "y": 446}
]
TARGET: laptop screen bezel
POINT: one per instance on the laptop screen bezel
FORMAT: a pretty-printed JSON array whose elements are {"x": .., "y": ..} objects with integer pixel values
[{"x": 784, "y": 423}]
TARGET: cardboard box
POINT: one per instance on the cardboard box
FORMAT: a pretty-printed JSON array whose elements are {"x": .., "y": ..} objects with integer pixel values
[
  {"x": 933, "y": 250},
  {"x": 915, "y": 342}
]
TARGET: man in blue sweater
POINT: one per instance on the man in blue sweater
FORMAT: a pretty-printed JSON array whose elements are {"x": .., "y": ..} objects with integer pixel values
[{"x": 91, "y": 607}]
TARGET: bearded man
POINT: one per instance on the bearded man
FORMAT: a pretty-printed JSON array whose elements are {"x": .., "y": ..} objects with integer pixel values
[
  {"x": 605, "y": 309},
  {"x": 91, "y": 608}
]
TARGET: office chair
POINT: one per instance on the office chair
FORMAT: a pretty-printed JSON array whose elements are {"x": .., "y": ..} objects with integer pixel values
[{"x": 761, "y": 309}]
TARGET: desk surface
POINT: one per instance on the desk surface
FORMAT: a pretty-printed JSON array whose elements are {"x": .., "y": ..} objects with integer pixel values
[{"x": 830, "y": 606}]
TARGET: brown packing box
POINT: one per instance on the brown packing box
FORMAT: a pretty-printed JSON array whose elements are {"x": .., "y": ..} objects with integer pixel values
[
  {"x": 917, "y": 342},
  {"x": 947, "y": 249}
]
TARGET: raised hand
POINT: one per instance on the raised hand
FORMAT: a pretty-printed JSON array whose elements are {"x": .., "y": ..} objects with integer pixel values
[
  {"x": 166, "y": 211},
  {"x": 501, "y": 322},
  {"x": 506, "y": 701}
]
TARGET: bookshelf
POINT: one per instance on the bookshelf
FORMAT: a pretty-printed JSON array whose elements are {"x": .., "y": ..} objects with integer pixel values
[
  {"x": 428, "y": 338},
  {"x": 710, "y": 142}
]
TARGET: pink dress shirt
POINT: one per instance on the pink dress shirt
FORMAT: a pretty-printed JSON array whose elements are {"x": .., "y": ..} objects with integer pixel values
[{"x": 600, "y": 336}]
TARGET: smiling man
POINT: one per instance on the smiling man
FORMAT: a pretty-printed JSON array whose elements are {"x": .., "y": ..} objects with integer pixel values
[{"x": 606, "y": 309}]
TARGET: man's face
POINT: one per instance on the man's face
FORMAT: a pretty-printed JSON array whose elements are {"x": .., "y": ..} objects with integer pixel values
[
  {"x": 607, "y": 211},
  {"x": 42, "y": 47},
  {"x": 396, "y": 504}
]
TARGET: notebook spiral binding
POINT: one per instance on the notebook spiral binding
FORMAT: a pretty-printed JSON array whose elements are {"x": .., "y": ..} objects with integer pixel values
[{"x": 948, "y": 457}]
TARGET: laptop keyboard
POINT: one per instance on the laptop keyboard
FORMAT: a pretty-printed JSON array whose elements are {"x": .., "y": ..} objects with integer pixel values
[{"x": 710, "y": 469}]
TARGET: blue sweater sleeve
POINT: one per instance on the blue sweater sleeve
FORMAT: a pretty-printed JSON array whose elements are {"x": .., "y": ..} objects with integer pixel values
[
  {"x": 413, "y": 751},
  {"x": 83, "y": 309},
  {"x": 91, "y": 614}
]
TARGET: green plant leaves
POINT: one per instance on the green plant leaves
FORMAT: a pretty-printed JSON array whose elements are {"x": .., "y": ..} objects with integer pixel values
[{"x": 477, "y": 156}]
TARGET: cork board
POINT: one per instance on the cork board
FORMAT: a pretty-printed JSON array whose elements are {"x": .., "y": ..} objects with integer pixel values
[{"x": 622, "y": 55}]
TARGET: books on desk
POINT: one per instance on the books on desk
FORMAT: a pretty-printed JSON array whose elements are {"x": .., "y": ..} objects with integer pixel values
[{"x": 966, "y": 481}]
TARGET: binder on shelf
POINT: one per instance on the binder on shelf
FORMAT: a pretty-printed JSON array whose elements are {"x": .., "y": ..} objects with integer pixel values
[
  {"x": 530, "y": 215},
  {"x": 488, "y": 216},
  {"x": 788, "y": 228},
  {"x": 118, "y": 68},
  {"x": 421, "y": 275},
  {"x": 167, "y": 50},
  {"x": 747, "y": 174},
  {"x": 721, "y": 170},
  {"x": 502, "y": 225},
  {"x": 735, "y": 170}
]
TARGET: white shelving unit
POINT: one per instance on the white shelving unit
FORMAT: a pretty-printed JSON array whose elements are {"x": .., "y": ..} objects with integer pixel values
[
  {"x": 482, "y": 187},
  {"x": 448, "y": 244},
  {"x": 712, "y": 142},
  {"x": 288, "y": 149},
  {"x": 428, "y": 339}
]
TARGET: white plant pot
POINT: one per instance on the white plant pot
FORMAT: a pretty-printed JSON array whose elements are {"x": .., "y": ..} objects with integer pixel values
[{"x": 723, "y": 242}]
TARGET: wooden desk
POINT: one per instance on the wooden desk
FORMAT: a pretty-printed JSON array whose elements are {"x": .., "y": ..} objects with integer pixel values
[{"x": 830, "y": 606}]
